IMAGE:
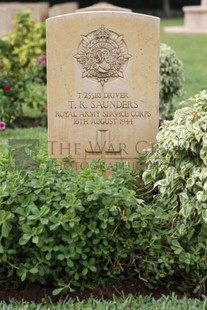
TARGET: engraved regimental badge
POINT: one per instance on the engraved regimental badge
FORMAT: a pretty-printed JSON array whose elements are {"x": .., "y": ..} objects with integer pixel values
[{"x": 103, "y": 55}]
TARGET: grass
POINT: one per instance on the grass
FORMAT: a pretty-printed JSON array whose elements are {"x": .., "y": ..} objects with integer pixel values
[
  {"x": 191, "y": 50},
  {"x": 125, "y": 303},
  {"x": 26, "y": 133}
]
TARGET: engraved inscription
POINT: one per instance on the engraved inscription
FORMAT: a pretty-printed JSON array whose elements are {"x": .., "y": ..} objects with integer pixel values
[
  {"x": 103, "y": 55},
  {"x": 104, "y": 109}
]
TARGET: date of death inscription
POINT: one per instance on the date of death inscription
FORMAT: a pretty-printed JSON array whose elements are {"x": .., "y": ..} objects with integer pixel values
[{"x": 103, "y": 109}]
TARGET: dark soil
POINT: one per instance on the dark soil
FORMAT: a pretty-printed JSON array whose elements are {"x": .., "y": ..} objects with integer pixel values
[{"x": 35, "y": 292}]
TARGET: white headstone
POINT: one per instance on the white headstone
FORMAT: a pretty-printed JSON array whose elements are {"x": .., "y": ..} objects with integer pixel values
[{"x": 103, "y": 85}]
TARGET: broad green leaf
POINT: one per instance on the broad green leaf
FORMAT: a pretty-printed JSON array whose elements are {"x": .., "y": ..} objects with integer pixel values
[
  {"x": 176, "y": 247},
  {"x": 26, "y": 228},
  {"x": 93, "y": 268},
  {"x": 35, "y": 239},
  {"x": 5, "y": 229},
  {"x": 23, "y": 276},
  {"x": 201, "y": 196},
  {"x": 44, "y": 221},
  {"x": 61, "y": 257},
  {"x": 85, "y": 271},
  {"x": 70, "y": 263},
  {"x": 57, "y": 291},
  {"x": 1, "y": 249},
  {"x": 204, "y": 215},
  {"x": 24, "y": 239},
  {"x": 33, "y": 270},
  {"x": 186, "y": 210},
  {"x": 190, "y": 182}
]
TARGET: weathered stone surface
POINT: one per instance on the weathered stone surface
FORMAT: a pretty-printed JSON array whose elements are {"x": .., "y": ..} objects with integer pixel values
[
  {"x": 195, "y": 17},
  {"x": 103, "y": 85},
  {"x": 9, "y": 9},
  {"x": 195, "y": 20},
  {"x": 4, "y": 21},
  {"x": 103, "y": 6},
  {"x": 63, "y": 8}
]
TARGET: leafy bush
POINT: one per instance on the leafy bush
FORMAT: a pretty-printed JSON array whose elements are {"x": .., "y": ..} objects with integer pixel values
[
  {"x": 71, "y": 229},
  {"x": 178, "y": 172},
  {"x": 171, "y": 81},
  {"x": 20, "y": 54},
  {"x": 20, "y": 48}
]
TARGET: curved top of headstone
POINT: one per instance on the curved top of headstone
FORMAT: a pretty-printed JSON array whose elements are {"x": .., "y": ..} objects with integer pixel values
[{"x": 103, "y": 6}]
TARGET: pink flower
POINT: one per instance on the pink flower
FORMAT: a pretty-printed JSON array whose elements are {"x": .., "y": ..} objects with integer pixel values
[
  {"x": 6, "y": 87},
  {"x": 43, "y": 110},
  {"x": 2, "y": 126},
  {"x": 42, "y": 59}
]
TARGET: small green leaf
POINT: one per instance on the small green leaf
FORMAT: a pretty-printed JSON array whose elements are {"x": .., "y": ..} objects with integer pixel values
[
  {"x": 204, "y": 215},
  {"x": 26, "y": 229},
  {"x": 44, "y": 221},
  {"x": 61, "y": 257},
  {"x": 186, "y": 210},
  {"x": 5, "y": 229},
  {"x": 48, "y": 256},
  {"x": 190, "y": 182},
  {"x": 24, "y": 239},
  {"x": 85, "y": 271},
  {"x": 70, "y": 263},
  {"x": 176, "y": 247},
  {"x": 76, "y": 277},
  {"x": 57, "y": 291},
  {"x": 1, "y": 249},
  {"x": 33, "y": 270},
  {"x": 200, "y": 196},
  {"x": 35, "y": 239},
  {"x": 93, "y": 268},
  {"x": 23, "y": 276}
]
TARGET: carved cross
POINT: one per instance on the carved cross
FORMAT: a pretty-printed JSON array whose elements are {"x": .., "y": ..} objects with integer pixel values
[{"x": 102, "y": 146}]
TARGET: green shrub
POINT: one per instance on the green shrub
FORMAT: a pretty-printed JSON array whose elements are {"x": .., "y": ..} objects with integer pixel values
[
  {"x": 20, "y": 48},
  {"x": 67, "y": 228},
  {"x": 171, "y": 81},
  {"x": 178, "y": 173},
  {"x": 21, "y": 66},
  {"x": 8, "y": 100},
  {"x": 79, "y": 229}
]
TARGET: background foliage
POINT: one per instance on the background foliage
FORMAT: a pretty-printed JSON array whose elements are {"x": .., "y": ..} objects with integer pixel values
[
  {"x": 191, "y": 49},
  {"x": 171, "y": 81},
  {"x": 22, "y": 71}
]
